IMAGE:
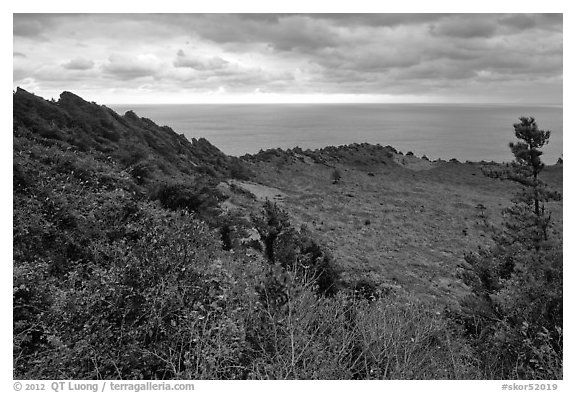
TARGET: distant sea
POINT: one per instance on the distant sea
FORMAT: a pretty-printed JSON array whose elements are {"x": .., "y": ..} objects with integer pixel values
[{"x": 461, "y": 131}]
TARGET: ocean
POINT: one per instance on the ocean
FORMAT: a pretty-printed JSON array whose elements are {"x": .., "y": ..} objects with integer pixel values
[{"x": 461, "y": 131}]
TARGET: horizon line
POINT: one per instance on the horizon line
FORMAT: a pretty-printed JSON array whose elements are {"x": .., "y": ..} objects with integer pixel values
[
  {"x": 338, "y": 103},
  {"x": 107, "y": 98}
]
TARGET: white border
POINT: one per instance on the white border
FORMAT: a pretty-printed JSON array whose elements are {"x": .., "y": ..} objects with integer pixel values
[{"x": 166, "y": 6}]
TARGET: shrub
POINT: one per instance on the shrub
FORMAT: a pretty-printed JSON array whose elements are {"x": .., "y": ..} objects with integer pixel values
[
  {"x": 132, "y": 318},
  {"x": 142, "y": 171},
  {"x": 133, "y": 156},
  {"x": 365, "y": 289},
  {"x": 336, "y": 176},
  {"x": 345, "y": 337},
  {"x": 21, "y": 181},
  {"x": 50, "y": 131},
  {"x": 198, "y": 197},
  {"x": 269, "y": 225},
  {"x": 239, "y": 170},
  {"x": 295, "y": 250}
]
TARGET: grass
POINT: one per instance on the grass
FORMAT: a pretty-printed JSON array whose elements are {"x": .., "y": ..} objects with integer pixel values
[{"x": 422, "y": 221}]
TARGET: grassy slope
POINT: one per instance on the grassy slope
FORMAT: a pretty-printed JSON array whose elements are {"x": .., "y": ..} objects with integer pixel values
[{"x": 407, "y": 230}]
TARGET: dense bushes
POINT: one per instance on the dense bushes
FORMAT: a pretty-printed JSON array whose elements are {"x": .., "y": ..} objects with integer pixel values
[
  {"x": 140, "y": 306},
  {"x": 139, "y": 309},
  {"x": 110, "y": 285},
  {"x": 343, "y": 337},
  {"x": 199, "y": 195},
  {"x": 295, "y": 250},
  {"x": 167, "y": 302},
  {"x": 515, "y": 320}
]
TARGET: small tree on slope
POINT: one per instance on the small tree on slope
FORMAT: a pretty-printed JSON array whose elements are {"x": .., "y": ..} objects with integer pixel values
[
  {"x": 518, "y": 280},
  {"x": 527, "y": 220}
]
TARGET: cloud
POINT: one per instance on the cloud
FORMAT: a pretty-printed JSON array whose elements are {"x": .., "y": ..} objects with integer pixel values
[
  {"x": 200, "y": 64},
  {"x": 470, "y": 26},
  {"x": 303, "y": 33},
  {"x": 493, "y": 25},
  {"x": 436, "y": 70},
  {"x": 379, "y": 20},
  {"x": 20, "y": 73},
  {"x": 519, "y": 21},
  {"x": 31, "y": 26},
  {"x": 291, "y": 53},
  {"x": 126, "y": 67},
  {"x": 284, "y": 32},
  {"x": 79, "y": 63}
]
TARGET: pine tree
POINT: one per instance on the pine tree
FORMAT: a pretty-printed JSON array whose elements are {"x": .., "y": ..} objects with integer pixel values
[
  {"x": 527, "y": 220},
  {"x": 518, "y": 279}
]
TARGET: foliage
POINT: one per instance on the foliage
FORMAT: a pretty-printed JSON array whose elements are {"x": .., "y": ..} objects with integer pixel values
[
  {"x": 518, "y": 280},
  {"x": 336, "y": 176},
  {"x": 293, "y": 249},
  {"x": 528, "y": 221},
  {"x": 128, "y": 139},
  {"x": 344, "y": 337},
  {"x": 199, "y": 196},
  {"x": 125, "y": 267}
]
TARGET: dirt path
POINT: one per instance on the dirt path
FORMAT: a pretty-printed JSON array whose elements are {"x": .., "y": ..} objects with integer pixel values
[{"x": 260, "y": 191}]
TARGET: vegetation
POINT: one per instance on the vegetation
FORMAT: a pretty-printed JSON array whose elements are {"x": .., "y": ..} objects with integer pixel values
[
  {"x": 295, "y": 250},
  {"x": 128, "y": 265},
  {"x": 518, "y": 281},
  {"x": 336, "y": 176}
]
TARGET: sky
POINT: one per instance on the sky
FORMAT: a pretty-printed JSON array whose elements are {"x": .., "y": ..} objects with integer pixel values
[{"x": 267, "y": 58}]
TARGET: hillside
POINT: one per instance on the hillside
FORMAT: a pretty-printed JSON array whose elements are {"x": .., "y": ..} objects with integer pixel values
[
  {"x": 139, "y": 254},
  {"x": 400, "y": 222},
  {"x": 137, "y": 144}
]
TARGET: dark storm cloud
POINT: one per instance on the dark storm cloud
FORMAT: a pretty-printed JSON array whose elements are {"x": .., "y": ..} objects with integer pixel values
[{"x": 292, "y": 53}]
